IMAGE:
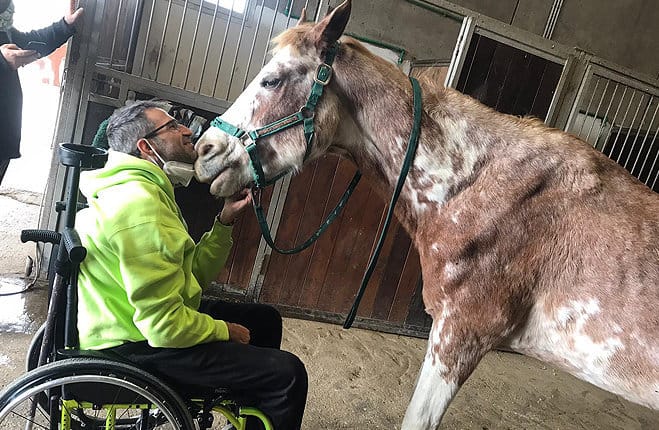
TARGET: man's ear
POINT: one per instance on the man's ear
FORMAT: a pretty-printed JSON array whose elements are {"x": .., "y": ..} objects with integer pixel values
[
  {"x": 332, "y": 26},
  {"x": 145, "y": 149}
]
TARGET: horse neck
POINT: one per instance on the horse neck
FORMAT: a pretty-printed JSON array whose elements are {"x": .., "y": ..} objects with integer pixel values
[{"x": 446, "y": 159}]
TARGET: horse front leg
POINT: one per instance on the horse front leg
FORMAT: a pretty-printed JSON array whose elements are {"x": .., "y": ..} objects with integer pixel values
[{"x": 454, "y": 350}]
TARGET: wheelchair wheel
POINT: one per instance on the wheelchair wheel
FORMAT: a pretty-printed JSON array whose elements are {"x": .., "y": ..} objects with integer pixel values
[
  {"x": 32, "y": 358},
  {"x": 92, "y": 393}
]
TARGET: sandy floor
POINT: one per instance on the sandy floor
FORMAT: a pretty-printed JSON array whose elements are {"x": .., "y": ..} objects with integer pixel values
[{"x": 362, "y": 380}]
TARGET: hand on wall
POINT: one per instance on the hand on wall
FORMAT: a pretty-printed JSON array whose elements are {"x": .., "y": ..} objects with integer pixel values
[{"x": 73, "y": 14}]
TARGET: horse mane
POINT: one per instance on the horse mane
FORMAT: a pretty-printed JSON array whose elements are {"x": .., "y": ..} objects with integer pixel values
[{"x": 438, "y": 101}]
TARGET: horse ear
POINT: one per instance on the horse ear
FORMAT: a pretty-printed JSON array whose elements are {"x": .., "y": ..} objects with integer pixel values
[
  {"x": 303, "y": 16},
  {"x": 331, "y": 27}
]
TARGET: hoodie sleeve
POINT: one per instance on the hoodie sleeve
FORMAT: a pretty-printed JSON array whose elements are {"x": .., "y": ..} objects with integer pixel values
[
  {"x": 211, "y": 253},
  {"x": 157, "y": 282}
]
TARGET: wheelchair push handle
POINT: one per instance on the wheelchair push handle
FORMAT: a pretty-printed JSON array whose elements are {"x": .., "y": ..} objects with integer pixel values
[
  {"x": 73, "y": 245},
  {"x": 45, "y": 236}
]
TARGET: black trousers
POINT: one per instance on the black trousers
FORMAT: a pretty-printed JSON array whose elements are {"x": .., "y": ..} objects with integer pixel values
[
  {"x": 3, "y": 168},
  {"x": 260, "y": 373}
]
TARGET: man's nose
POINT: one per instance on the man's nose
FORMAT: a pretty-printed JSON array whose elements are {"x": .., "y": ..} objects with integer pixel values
[{"x": 185, "y": 130}]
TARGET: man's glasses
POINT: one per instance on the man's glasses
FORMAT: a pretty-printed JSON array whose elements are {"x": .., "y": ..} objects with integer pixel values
[{"x": 172, "y": 125}]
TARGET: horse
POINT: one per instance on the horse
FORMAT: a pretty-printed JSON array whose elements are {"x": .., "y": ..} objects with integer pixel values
[{"x": 529, "y": 238}]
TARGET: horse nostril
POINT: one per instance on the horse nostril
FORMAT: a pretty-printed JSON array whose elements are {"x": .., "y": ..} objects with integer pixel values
[{"x": 205, "y": 149}]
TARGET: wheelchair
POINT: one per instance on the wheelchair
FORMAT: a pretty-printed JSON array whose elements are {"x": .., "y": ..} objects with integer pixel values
[{"x": 66, "y": 388}]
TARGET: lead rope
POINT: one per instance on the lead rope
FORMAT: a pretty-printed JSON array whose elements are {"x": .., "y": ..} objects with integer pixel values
[
  {"x": 407, "y": 163},
  {"x": 265, "y": 230}
]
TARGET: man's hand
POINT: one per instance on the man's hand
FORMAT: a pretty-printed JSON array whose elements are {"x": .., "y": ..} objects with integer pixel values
[
  {"x": 17, "y": 57},
  {"x": 238, "y": 333},
  {"x": 234, "y": 205},
  {"x": 73, "y": 14}
]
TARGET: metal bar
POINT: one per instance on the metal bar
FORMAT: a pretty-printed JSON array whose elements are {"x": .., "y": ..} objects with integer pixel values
[
  {"x": 146, "y": 38},
  {"x": 641, "y": 81},
  {"x": 613, "y": 121},
  {"x": 646, "y": 158},
  {"x": 631, "y": 125},
  {"x": 599, "y": 105},
  {"x": 521, "y": 44},
  {"x": 251, "y": 49},
  {"x": 132, "y": 42},
  {"x": 290, "y": 11},
  {"x": 559, "y": 92},
  {"x": 556, "y": 7},
  {"x": 162, "y": 39},
  {"x": 178, "y": 38},
  {"x": 622, "y": 123},
  {"x": 640, "y": 127},
  {"x": 116, "y": 31},
  {"x": 462, "y": 44},
  {"x": 654, "y": 115},
  {"x": 194, "y": 40},
  {"x": 592, "y": 96},
  {"x": 224, "y": 42},
  {"x": 272, "y": 26},
  {"x": 208, "y": 45},
  {"x": 606, "y": 113},
  {"x": 656, "y": 176},
  {"x": 235, "y": 55},
  {"x": 164, "y": 91}
]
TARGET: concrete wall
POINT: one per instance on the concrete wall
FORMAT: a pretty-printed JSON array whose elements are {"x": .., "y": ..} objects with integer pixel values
[{"x": 621, "y": 31}]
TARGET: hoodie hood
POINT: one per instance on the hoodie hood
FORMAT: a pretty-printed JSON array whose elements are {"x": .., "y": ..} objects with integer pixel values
[{"x": 120, "y": 169}]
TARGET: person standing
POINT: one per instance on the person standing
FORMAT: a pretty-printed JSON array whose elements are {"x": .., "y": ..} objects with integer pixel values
[{"x": 16, "y": 51}]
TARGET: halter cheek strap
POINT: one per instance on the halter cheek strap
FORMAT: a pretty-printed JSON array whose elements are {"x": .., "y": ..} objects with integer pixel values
[{"x": 304, "y": 116}]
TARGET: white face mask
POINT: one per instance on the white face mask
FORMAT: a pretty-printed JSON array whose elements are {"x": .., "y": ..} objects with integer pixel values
[
  {"x": 178, "y": 172},
  {"x": 7, "y": 17}
]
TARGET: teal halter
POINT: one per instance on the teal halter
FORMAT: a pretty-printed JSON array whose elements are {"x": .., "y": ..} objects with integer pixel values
[{"x": 304, "y": 116}]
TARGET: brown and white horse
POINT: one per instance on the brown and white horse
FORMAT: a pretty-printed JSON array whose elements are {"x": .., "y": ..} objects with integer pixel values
[{"x": 529, "y": 238}]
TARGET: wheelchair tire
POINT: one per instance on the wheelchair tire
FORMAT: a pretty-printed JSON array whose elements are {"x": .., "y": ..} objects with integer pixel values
[
  {"x": 91, "y": 381},
  {"x": 32, "y": 358}
]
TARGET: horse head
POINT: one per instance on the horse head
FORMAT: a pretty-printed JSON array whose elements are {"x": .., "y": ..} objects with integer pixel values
[{"x": 278, "y": 117}]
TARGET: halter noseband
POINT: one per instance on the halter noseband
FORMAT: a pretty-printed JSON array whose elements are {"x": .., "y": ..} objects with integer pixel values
[{"x": 304, "y": 116}]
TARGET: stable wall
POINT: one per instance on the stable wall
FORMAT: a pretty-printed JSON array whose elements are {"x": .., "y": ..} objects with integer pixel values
[{"x": 624, "y": 32}]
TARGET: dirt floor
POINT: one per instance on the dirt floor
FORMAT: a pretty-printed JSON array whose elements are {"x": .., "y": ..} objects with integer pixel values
[{"x": 358, "y": 379}]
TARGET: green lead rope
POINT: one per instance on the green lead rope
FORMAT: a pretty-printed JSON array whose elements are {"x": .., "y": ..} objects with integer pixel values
[
  {"x": 407, "y": 163},
  {"x": 265, "y": 230}
]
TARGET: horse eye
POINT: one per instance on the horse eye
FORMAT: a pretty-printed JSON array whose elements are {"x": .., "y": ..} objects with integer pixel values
[{"x": 270, "y": 83}]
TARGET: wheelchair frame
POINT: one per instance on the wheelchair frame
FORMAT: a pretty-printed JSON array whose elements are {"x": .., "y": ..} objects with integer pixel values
[{"x": 56, "y": 381}]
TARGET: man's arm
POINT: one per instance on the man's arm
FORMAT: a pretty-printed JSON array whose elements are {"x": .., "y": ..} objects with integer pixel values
[{"x": 214, "y": 247}]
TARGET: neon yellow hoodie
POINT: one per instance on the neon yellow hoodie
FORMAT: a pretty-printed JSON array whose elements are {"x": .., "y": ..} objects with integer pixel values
[{"x": 143, "y": 275}]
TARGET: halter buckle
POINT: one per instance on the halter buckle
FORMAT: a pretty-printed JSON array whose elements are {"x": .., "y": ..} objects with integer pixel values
[{"x": 323, "y": 74}]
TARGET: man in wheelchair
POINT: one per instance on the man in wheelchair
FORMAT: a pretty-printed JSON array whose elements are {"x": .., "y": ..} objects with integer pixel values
[{"x": 140, "y": 285}]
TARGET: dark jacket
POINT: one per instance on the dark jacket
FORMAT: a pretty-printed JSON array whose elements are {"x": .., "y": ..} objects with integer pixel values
[{"x": 11, "y": 95}]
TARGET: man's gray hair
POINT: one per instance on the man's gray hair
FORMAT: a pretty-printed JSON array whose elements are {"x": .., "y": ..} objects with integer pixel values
[{"x": 129, "y": 124}]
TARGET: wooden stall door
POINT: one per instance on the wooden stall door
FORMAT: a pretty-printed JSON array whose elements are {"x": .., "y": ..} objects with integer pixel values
[{"x": 321, "y": 282}]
